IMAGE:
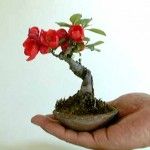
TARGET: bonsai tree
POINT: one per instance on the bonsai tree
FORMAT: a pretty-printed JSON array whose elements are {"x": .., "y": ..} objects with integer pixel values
[{"x": 71, "y": 39}]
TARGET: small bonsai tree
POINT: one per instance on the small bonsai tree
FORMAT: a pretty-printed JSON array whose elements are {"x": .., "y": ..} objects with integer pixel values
[{"x": 70, "y": 41}]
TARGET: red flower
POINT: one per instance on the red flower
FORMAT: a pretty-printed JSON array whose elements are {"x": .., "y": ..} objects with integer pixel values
[
  {"x": 31, "y": 44},
  {"x": 49, "y": 39},
  {"x": 44, "y": 49},
  {"x": 62, "y": 34},
  {"x": 33, "y": 33},
  {"x": 64, "y": 46},
  {"x": 31, "y": 48},
  {"x": 76, "y": 33}
]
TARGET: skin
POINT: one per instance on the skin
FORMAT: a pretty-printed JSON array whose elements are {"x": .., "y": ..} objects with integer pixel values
[{"x": 132, "y": 130}]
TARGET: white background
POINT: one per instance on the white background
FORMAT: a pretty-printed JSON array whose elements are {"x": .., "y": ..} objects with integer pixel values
[{"x": 29, "y": 88}]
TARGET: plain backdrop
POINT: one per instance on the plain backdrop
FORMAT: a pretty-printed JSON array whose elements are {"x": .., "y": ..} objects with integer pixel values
[{"x": 29, "y": 88}]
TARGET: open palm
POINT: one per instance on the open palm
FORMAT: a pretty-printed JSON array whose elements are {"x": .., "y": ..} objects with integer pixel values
[{"x": 132, "y": 130}]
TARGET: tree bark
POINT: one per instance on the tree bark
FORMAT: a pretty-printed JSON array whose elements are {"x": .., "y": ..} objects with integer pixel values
[{"x": 80, "y": 71}]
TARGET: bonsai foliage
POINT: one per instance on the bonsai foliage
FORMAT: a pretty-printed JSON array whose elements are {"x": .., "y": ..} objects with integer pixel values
[{"x": 70, "y": 38}]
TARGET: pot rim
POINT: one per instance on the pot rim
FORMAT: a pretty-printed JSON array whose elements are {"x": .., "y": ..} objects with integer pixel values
[{"x": 114, "y": 112}]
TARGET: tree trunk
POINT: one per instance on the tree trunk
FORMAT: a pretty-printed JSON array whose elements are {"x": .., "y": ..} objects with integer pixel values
[{"x": 81, "y": 72}]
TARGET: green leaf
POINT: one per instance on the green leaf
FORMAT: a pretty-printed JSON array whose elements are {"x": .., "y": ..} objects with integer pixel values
[
  {"x": 75, "y": 18},
  {"x": 98, "y": 31},
  {"x": 92, "y": 46},
  {"x": 98, "y": 50},
  {"x": 86, "y": 39},
  {"x": 63, "y": 24},
  {"x": 85, "y": 22},
  {"x": 98, "y": 43}
]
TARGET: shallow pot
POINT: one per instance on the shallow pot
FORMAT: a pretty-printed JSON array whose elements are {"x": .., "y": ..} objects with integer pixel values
[{"x": 85, "y": 122}]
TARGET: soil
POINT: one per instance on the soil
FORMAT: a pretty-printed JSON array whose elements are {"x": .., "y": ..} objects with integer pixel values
[{"x": 82, "y": 104}]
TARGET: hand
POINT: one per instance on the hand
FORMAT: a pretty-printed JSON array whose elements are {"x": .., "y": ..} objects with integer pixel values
[{"x": 132, "y": 130}]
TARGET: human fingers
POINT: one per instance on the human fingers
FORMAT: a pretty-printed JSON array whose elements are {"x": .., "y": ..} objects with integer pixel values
[
  {"x": 53, "y": 127},
  {"x": 38, "y": 119}
]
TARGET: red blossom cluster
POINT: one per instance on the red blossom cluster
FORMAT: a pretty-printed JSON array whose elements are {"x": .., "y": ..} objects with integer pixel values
[
  {"x": 70, "y": 41},
  {"x": 47, "y": 41}
]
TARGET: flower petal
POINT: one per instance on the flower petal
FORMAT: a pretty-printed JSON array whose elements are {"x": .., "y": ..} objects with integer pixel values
[{"x": 33, "y": 53}]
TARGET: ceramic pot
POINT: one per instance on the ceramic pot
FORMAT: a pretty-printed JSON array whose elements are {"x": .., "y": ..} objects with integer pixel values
[{"x": 85, "y": 122}]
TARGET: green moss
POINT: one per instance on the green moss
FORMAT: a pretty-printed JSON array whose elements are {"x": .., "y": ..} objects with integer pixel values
[{"x": 81, "y": 104}]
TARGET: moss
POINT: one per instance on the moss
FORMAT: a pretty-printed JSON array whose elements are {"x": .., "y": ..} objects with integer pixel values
[{"x": 81, "y": 104}]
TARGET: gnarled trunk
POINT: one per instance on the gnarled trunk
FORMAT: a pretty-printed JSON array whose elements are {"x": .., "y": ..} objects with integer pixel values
[{"x": 82, "y": 72}]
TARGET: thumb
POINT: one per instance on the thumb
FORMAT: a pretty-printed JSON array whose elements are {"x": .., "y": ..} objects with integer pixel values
[{"x": 127, "y": 104}]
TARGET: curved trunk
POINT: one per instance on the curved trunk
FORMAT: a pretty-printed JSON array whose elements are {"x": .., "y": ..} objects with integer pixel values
[{"x": 82, "y": 72}]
